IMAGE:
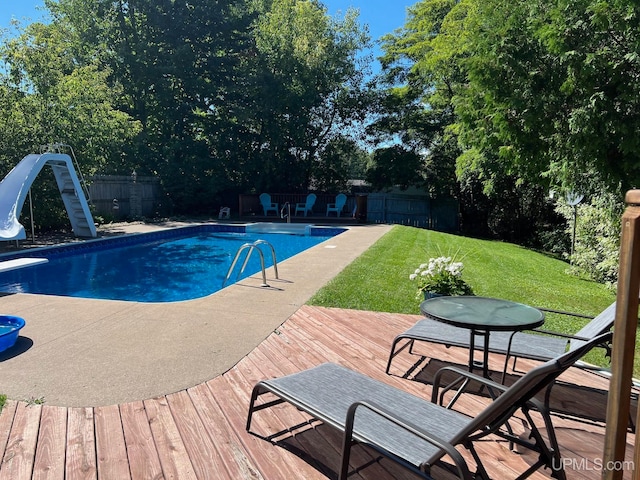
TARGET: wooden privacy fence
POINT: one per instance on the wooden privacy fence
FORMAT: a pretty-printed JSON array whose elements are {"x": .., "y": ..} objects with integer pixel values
[
  {"x": 124, "y": 196},
  {"x": 414, "y": 210},
  {"x": 391, "y": 208}
]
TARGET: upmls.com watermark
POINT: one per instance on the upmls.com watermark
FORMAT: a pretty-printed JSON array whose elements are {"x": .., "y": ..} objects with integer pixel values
[{"x": 597, "y": 464}]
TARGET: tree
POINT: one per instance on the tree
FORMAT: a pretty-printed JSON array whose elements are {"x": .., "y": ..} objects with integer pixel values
[
  {"x": 47, "y": 99},
  {"x": 567, "y": 106},
  {"x": 175, "y": 62},
  {"x": 419, "y": 78},
  {"x": 342, "y": 159},
  {"x": 232, "y": 96},
  {"x": 428, "y": 75},
  {"x": 309, "y": 92}
]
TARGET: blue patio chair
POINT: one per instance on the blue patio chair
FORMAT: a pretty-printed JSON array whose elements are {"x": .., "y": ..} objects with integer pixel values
[
  {"x": 267, "y": 206},
  {"x": 337, "y": 207},
  {"x": 307, "y": 206}
]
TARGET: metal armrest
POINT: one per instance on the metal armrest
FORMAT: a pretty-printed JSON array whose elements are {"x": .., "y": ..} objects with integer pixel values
[
  {"x": 568, "y": 336},
  {"x": 561, "y": 312},
  {"x": 446, "y": 447},
  {"x": 558, "y": 334}
]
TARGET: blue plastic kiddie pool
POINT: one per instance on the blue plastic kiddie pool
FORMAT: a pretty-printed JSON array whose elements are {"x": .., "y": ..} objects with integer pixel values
[{"x": 9, "y": 329}]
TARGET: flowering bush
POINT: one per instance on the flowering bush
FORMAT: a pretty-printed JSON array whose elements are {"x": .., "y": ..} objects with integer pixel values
[{"x": 442, "y": 275}]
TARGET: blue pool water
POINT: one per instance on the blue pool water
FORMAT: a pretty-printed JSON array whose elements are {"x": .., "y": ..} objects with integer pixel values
[{"x": 181, "y": 264}]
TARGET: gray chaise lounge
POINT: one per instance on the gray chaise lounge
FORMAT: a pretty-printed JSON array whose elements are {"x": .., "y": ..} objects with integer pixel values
[{"x": 413, "y": 431}]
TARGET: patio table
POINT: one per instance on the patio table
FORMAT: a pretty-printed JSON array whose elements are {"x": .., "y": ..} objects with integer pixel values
[{"x": 481, "y": 316}]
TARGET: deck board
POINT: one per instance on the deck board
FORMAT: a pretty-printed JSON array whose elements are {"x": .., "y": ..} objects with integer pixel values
[
  {"x": 144, "y": 461},
  {"x": 17, "y": 463},
  {"x": 6, "y": 423},
  {"x": 111, "y": 450},
  {"x": 81, "y": 463},
  {"x": 236, "y": 459},
  {"x": 200, "y": 432},
  {"x": 168, "y": 441},
  {"x": 52, "y": 443}
]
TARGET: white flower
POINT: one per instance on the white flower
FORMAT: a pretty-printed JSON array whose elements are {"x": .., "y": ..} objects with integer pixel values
[{"x": 441, "y": 275}]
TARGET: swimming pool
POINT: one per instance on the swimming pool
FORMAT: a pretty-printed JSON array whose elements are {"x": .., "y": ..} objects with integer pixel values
[{"x": 165, "y": 266}]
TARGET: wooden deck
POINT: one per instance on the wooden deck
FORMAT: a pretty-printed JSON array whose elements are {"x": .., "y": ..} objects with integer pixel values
[{"x": 200, "y": 433}]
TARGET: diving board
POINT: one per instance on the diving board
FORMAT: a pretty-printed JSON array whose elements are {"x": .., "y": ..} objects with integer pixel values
[
  {"x": 15, "y": 187},
  {"x": 20, "y": 263}
]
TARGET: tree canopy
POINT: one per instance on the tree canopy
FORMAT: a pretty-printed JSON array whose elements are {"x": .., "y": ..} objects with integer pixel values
[
  {"x": 212, "y": 97},
  {"x": 545, "y": 91}
]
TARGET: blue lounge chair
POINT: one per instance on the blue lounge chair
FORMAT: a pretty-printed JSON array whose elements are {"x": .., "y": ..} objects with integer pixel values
[
  {"x": 267, "y": 206},
  {"x": 337, "y": 207},
  {"x": 307, "y": 206}
]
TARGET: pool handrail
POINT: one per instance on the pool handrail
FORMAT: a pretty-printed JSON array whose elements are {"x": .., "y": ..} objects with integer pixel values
[{"x": 252, "y": 246}]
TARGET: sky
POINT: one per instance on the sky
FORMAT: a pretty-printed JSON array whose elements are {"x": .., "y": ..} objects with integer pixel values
[{"x": 382, "y": 16}]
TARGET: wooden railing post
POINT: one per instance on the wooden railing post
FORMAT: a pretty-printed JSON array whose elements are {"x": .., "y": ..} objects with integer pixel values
[{"x": 624, "y": 338}]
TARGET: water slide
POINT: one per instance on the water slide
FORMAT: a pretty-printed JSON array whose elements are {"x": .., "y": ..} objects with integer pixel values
[{"x": 15, "y": 187}]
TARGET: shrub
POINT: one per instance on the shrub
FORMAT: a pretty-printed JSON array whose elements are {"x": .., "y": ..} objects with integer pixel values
[{"x": 597, "y": 242}]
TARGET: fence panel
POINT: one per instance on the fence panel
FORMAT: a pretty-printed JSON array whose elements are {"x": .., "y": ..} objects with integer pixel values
[
  {"x": 120, "y": 196},
  {"x": 413, "y": 210}
]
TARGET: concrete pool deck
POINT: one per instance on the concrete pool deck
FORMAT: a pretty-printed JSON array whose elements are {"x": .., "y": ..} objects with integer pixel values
[{"x": 79, "y": 352}]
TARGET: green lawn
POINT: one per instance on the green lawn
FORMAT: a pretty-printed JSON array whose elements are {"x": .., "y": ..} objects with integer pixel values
[{"x": 379, "y": 279}]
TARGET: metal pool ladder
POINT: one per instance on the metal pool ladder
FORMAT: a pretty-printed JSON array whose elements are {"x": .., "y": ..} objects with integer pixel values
[{"x": 251, "y": 247}]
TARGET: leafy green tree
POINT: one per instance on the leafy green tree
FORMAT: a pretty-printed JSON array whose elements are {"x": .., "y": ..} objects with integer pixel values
[
  {"x": 393, "y": 166},
  {"x": 174, "y": 63},
  {"x": 420, "y": 76},
  {"x": 309, "y": 91},
  {"x": 232, "y": 96},
  {"x": 565, "y": 111},
  {"x": 49, "y": 99},
  {"x": 535, "y": 95},
  {"x": 566, "y": 107},
  {"x": 341, "y": 160}
]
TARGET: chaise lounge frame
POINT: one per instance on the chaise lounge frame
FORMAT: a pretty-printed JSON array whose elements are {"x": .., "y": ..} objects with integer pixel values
[
  {"x": 415, "y": 432},
  {"x": 542, "y": 345}
]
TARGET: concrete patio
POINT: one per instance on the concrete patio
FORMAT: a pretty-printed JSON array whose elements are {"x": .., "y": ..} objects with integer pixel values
[{"x": 84, "y": 352}]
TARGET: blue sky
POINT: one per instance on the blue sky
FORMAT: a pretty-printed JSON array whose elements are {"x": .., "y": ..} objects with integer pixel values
[
  {"x": 20, "y": 9},
  {"x": 382, "y": 16}
]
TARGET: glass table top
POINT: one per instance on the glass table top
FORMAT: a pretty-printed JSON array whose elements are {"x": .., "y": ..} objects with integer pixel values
[{"x": 482, "y": 313}]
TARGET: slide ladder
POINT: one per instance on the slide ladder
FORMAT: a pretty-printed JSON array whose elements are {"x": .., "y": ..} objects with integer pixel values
[{"x": 15, "y": 187}]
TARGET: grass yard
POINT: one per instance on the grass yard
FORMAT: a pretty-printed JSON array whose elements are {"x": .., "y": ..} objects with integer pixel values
[{"x": 379, "y": 279}]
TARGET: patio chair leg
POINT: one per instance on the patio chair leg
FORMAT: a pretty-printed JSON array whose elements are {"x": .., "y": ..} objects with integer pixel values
[
  {"x": 254, "y": 397},
  {"x": 550, "y": 455},
  {"x": 504, "y": 370},
  {"x": 395, "y": 352},
  {"x": 347, "y": 443},
  {"x": 481, "y": 472}
]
